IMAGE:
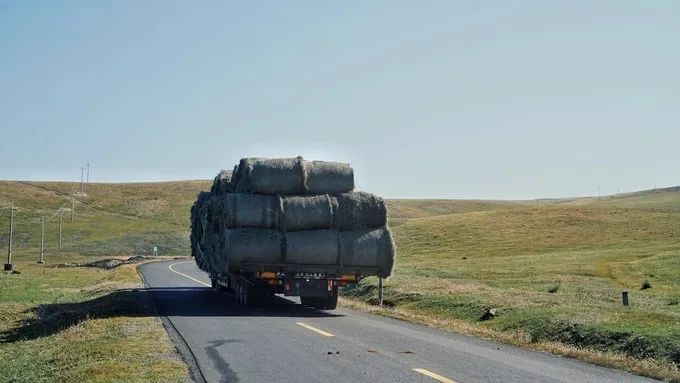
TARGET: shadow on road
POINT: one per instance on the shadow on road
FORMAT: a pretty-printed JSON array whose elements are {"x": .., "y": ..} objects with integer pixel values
[{"x": 48, "y": 319}]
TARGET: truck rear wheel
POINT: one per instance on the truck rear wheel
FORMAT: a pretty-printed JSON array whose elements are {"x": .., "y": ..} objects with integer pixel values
[
  {"x": 332, "y": 300},
  {"x": 311, "y": 301},
  {"x": 239, "y": 293},
  {"x": 244, "y": 293},
  {"x": 323, "y": 303}
]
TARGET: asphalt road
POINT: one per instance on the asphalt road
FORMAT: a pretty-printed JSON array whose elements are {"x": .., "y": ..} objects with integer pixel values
[{"x": 285, "y": 342}]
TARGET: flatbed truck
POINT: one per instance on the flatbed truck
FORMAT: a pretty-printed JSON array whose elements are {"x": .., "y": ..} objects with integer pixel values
[{"x": 316, "y": 285}]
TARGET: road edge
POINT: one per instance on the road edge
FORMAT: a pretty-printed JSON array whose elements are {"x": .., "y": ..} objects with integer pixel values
[
  {"x": 178, "y": 341},
  {"x": 625, "y": 364}
]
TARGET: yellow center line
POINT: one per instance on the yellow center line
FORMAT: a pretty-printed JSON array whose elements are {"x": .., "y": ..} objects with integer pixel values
[
  {"x": 316, "y": 330},
  {"x": 184, "y": 275},
  {"x": 434, "y": 376}
]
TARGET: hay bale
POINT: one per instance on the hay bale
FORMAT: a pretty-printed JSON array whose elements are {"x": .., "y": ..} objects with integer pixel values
[
  {"x": 359, "y": 211},
  {"x": 249, "y": 245},
  {"x": 197, "y": 229},
  {"x": 312, "y": 247},
  {"x": 368, "y": 248},
  {"x": 346, "y": 212},
  {"x": 291, "y": 176},
  {"x": 239, "y": 210},
  {"x": 222, "y": 183},
  {"x": 327, "y": 177},
  {"x": 270, "y": 176},
  {"x": 209, "y": 242},
  {"x": 307, "y": 213}
]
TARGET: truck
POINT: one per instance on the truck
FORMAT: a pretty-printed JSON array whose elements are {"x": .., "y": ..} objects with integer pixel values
[{"x": 290, "y": 227}]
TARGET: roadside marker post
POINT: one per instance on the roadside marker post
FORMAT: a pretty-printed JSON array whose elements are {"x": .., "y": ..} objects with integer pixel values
[
  {"x": 8, "y": 265},
  {"x": 624, "y": 298},
  {"x": 61, "y": 214},
  {"x": 73, "y": 203},
  {"x": 380, "y": 292},
  {"x": 42, "y": 240}
]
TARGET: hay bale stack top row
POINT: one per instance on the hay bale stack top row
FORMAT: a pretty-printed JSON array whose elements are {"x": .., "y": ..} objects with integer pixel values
[{"x": 290, "y": 211}]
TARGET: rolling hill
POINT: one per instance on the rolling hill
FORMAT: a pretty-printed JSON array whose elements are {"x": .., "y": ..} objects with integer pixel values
[{"x": 553, "y": 271}]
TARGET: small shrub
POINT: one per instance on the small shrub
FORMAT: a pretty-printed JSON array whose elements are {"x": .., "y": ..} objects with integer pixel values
[
  {"x": 673, "y": 301},
  {"x": 554, "y": 289},
  {"x": 646, "y": 285}
]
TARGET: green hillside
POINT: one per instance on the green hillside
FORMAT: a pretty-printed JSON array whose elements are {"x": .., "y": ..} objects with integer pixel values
[
  {"x": 662, "y": 199},
  {"x": 553, "y": 271},
  {"x": 109, "y": 219}
]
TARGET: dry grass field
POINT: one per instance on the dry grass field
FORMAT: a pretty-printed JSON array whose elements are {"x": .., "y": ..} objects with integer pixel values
[{"x": 553, "y": 271}]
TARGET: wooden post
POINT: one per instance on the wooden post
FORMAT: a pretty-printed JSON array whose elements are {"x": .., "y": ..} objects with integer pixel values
[
  {"x": 61, "y": 213},
  {"x": 73, "y": 203},
  {"x": 8, "y": 265},
  {"x": 624, "y": 297},
  {"x": 42, "y": 240},
  {"x": 380, "y": 292}
]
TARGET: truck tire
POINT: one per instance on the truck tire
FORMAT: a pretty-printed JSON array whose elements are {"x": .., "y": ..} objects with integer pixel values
[
  {"x": 332, "y": 301},
  {"x": 310, "y": 301},
  {"x": 239, "y": 293},
  {"x": 322, "y": 303},
  {"x": 244, "y": 293}
]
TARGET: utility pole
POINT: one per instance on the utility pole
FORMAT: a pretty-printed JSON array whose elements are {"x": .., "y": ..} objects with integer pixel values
[
  {"x": 82, "y": 169},
  {"x": 73, "y": 203},
  {"x": 8, "y": 265},
  {"x": 61, "y": 214},
  {"x": 88, "y": 174},
  {"x": 42, "y": 240}
]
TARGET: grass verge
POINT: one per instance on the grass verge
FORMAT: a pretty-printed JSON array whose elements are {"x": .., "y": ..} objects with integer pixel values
[
  {"x": 655, "y": 356},
  {"x": 81, "y": 324}
]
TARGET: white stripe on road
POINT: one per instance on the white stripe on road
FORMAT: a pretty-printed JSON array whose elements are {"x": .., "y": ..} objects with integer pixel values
[
  {"x": 316, "y": 330},
  {"x": 186, "y": 276},
  {"x": 434, "y": 376}
]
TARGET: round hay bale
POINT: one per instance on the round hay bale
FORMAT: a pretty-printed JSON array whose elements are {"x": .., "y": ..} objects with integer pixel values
[
  {"x": 312, "y": 247},
  {"x": 327, "y": 177},
  {"x": 222, "y": 183},
  {"x": 307, "y": 213},
  {"x": 240, "y": 210},
  {"x": 359, "y": 211},
  {"x": 368, "y": 248},
  {"x": 251, "y": 245},
  {"x": 292, "y": 176}
]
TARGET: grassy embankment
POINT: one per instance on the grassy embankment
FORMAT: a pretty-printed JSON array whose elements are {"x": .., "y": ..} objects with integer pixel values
[
  {"x": 554, "y": 271},
  {"x": 87, "y": 324}
]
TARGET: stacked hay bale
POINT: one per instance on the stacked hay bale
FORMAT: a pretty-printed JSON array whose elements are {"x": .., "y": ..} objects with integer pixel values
[{"x": 294, "y": 212}]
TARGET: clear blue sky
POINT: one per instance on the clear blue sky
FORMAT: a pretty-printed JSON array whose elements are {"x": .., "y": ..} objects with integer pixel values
[{"x": 460, "y": 99}]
